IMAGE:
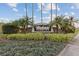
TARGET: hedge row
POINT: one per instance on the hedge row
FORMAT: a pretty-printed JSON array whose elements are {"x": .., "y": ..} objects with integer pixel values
[
  {"x": 9, "y": 29},
  {"x": 38, "y": 36},
  {"x": 59, "y": 37},
  {"x": 29, "y": 36}
]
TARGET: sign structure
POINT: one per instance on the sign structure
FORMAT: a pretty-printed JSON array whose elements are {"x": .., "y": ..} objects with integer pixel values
[{"x": 42, "y": 27}]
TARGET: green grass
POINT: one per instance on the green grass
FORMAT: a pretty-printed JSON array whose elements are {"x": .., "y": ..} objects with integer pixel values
[{"x": 30, "y": 48}]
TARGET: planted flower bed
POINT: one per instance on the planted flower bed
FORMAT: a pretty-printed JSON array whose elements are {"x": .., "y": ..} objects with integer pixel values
[
  {"x": 33, "y": 44},
  {"x": 30, "y": 48}
]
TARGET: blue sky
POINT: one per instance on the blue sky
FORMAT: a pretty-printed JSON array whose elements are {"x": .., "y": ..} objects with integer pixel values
[{"x": 10, "y": 12}]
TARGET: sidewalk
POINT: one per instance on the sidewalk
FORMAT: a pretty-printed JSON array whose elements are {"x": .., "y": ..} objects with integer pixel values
[{"x": 72, "y": 49}]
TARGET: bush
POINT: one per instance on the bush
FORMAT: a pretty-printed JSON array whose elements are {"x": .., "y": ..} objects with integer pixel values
[
  {"x": 39, "y": 36},
  {"x": 1, "y": 28},
  {"x": 9, "y": 29},
  {"x": 59, "y": 37},
  {"x": 3, "y": 36},
  {"x": 71, "y": 29},
  {"x": 28, "y": 36}
]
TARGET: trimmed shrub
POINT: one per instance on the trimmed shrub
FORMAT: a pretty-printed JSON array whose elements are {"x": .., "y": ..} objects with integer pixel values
[
  {"x": 9, "y": 29},
  {"x": 35, "y": 36},
  {"x": 16, "y": 36},
  {"x": 71, "y": 29},
  {"x": 3, "y": 36},
  {"x": 59, "y": 37},
  {"x": 28, "y": 36},
  {"x": 1, "y": 28},
  {"x": 39, "y": 36}
]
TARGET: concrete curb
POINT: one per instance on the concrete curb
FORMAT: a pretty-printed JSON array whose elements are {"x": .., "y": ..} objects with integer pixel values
[
  {"x": 67, "y": 46},
  {"x": 61, "y": 53}
]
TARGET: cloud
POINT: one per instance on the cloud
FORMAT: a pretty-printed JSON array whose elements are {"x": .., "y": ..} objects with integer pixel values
[
  {"x": 66, "y": 13},
  {"x": 69, "y": 14},
  {"x": 36, "y": 20},
  {"x": 34, "y": 16},
  {"x": 72, "y": 13},
  {"x": 24, "y": 9},
  {"x": 39, "y": 6},
  {"x": 13, "y": 6},
  {"x": 47, "y": 7},
  {"x": 14, "y": 9},
  {"x": 47, "y": 19},
  {"x": 76, "y": 5},
  {"x": 45, "y": 12},
  {"x": 72, "y": 7},
  {"x": 4, "y": 20}
]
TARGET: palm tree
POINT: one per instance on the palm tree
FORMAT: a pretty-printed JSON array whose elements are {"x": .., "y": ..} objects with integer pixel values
[
  {"x": 58, "y": 22},
  {"x": 57, "y": 19},
  {"x": 63, "y": 24},
  {"x": 51, "y": 19},
  {"x": 41, "y": 18},
  {"x": 56, "y": 9},
  {"x": 32, "y": 17},
  {"x": 71, "y": 20},
  {"x": 23, "y": 22},
  {"x": 67, "y": 26}
]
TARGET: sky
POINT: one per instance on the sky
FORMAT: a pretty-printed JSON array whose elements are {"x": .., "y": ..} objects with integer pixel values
[{"x": 13, "y": 11}]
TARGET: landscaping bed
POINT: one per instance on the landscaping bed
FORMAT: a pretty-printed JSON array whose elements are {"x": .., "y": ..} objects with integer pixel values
[
  {"x": 30, "y": 48},
  {"x": 33, "y": 44}
]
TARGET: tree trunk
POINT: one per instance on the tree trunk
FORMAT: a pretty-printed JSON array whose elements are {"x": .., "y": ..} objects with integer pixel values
[{"x": 57, "y": 28}]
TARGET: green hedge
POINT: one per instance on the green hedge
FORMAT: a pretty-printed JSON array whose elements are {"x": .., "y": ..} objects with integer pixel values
[
  {"x": 1, "y": 28},
  {"x": 9, "y": 29},
  {"x": 59, "y": 37},
  {"x": 28, "y": 36},
  {"x": 39, "y": 36},
  {"x": 3, "y": 36}
]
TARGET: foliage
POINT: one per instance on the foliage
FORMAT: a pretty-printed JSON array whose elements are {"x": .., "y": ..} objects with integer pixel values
[
  {"x": 30, "y": 48},
  {"x": 23, "y": 22},
  {"x": 39, "y": 36},
  {"x": 8, "y": 29},
  {"x": 59, "y": 37},
  {"x": 1, "y": 24},
  {"x": 64, "y": 24},
  {"x": 77, "y": 31},
  {"x": 3, "y": 36},
  {"x": 28, "y": 36}
]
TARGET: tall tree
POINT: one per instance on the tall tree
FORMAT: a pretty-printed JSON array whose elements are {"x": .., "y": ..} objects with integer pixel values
[
  {"x": 57, "y": 22},
  {"x": 51, "y": 18},
  {"x": 64, "y": 24},
  {"x": 41, "y": 14},
  {"x": 32, "y": 17},
  {"x": 23, "y": 22}
]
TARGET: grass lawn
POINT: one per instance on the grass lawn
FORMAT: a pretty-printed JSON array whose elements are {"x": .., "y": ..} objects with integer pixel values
[{"x": 30, "y": 48}]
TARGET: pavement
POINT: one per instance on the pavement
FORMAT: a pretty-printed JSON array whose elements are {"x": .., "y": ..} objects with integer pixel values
[{"x": 72, "y": 48}]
